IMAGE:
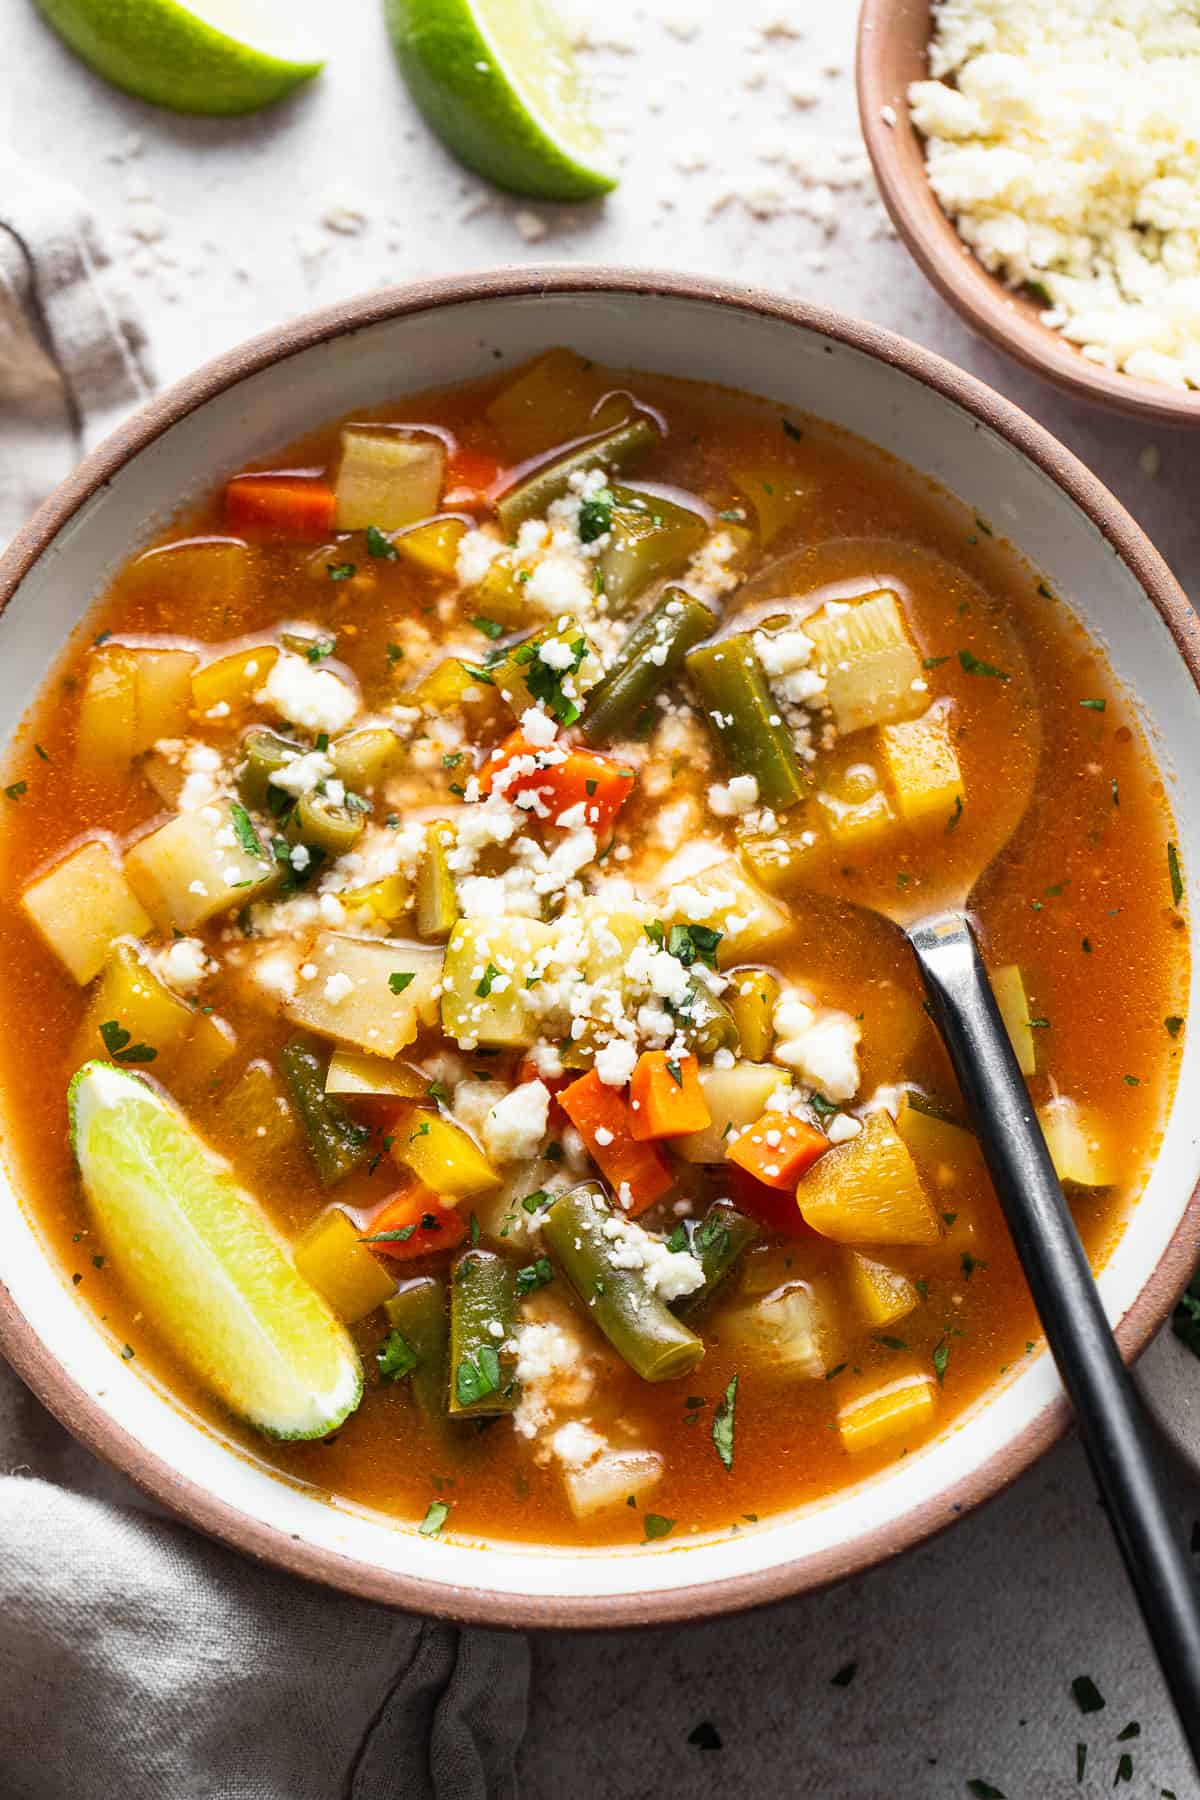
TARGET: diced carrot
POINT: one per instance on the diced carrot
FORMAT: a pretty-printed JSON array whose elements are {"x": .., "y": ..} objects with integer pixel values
[
  {"x": 560, "y": 777},
  {"x": 602, "y": 1117},
  {"x": 295, "y": 506},
  {"x": 470, "y": 476},
  {"x": 777, "y": 1149},
  {"x": 421, "y": 1222},
  {"x": 665, "y": 1097},
  {"x": 773, "y": 1208}
]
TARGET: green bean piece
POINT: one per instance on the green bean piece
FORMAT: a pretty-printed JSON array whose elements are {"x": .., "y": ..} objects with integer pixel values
[
  {"x": 719, "y": 1241},
  {"x": 650, "y": 539},
  {"x": 418, "y": 1312},
  {"x": 337, "y": 1143},
  {"x": 676, "y": 622},
  {"x": 266, "y": 753},
  {"x": 483, "y": 1313},
  {"x": 362, "y": 758},
  {"x": 709, "y": 1025},
  {"x": 640, "y": 1328},
  {"x": 331, "y": 826},
  {"x": 743, "y": 716},
  {"x": 614, "y": 450},
  {"x": 436, "y": 900}
]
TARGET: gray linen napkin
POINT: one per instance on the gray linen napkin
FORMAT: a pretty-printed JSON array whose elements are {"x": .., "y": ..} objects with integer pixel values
[{"x": 137, "y": 1660}]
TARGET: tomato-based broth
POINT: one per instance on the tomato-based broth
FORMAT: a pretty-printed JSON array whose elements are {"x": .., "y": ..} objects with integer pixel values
[{"x": 446, "y": 854}]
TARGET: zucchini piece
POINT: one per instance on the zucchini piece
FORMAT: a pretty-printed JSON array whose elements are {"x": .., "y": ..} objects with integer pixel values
[
  {"x": 794, "y": 1331},
  {"x": 191, "y": 869},
  {"x": 1008, "y": 985},
  {"x": 868, "y": 1191},
  {"x": 903, "y": 1406},
  {"x": 106, "y": 728},
  {"x": 330, "y": 1256},
  {"x": 258, "y": 1111},
  {"x": 854, "y": 806},
  {"x": 83, "y": 905},
  {"x": 352, "y": 996},
  {"x": 651, "y": 540},
  {"x": 724, "y": 898},
  {"x": 617, "y": 449},
  {"x": 736, "y": 1098},
  {"x": 923, "y": 767},
  {"x": 388, "y": 899},
  {"x": 878, "y": 1294},
  {"x": 872, "y": 671},
  {"x": 388, "y": 479},
  {"x": 488, "y": 963},
  {"x": 549, "y": 400},
  {"x": 1080, "y": 1143},
  {"x": 436, "y": 900}
]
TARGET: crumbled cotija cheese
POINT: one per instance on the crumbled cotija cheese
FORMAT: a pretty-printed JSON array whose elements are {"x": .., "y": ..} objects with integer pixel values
[{"x": 1068, "y": 155}]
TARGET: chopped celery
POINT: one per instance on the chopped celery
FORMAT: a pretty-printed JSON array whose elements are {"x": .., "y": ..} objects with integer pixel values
[
  {"x": 357, "y": 1072},
  {"x": 330, "y": 1256},
  {"x": 868, "y": 1191},
  {"x": 191, "y": 868},
  {"x": 650, "y": 539},
  {"x": 742, "y": 715},
  {"x": 231, "y": 681},
  {"x": 359, "y": 995},
  {"x": 388, "y": 479},
  {"x": 902, "y": 1406},
  {"x": 736, "y": 1098},
  {"x": 879, "y": 1295},
  {"x": 530, "y": 497},
  {"x": 130, "y": 997},
  {"x": 436, "y": 900},
  {"x": 441, "y": 1155},
  {"x": 872, "y": 671},
  {"x": 83, "y": 905},
  {"x": 106, "y": 731},
  {"x": 487, "y": 1009},
  {"x": 1080, "y": 1142},
  {"x": 776, "y": 493},
  {"x": 362, "y": 758},
  {"x": 337, "y": 1142},
  {"x": 650, "y": 657},
  {"x": 751, "y": 1001},
  {"x": 1008, "y": 985},
  {"x": 164, "y": 695},
  {"x": 923, "y": 766}
]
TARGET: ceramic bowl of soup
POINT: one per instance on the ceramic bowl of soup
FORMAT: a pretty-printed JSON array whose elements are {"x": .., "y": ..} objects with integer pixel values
[{"x": 466, "y": 1139}]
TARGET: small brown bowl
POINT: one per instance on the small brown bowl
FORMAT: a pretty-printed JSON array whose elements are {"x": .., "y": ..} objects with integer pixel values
[{"x": 893, "y": 39}]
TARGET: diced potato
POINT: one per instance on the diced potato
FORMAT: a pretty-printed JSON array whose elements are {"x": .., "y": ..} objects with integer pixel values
[
  {"x": 388, "y": 479},
  {"x": 191, "y": 869},
  {"x": 854, "y": 806},
  {"x": 232, "y": 681},
  {"x": 792, "y": 1331},
  {"x": 1080, "y": 1142},
  {"x": 258, "y": 1111},
  {"x": 356, "y": 1072},
  {"x": 870, "y": 663},
  {"x": 83, "y": 905},
  {"x": 131, "y": 996},
  {"x": 878, "y": 1294},
  {"x": 1008, "y": 985},
  {"x": 207, "y": 574},
  {"x": 868, "y": 1191},
  {"x": 611, "y": 1480},
  {"x": 751, "y": 1000},
  {"x": 549, "y": 400},
  {"x": 362, "y": 758},
  {"x": 164, "y": 695},
  {"x": 736, "y": 1098},
  {"x": 350, "y": 997},
  {"x": 777, "y": 494},
  {"x": 432, "y": 547},
  {"x": 922, "y": 765},
  {"x": 483, "y": 1008},
  {"x": 106, "y": 731},
  {"x": 330, "y": 1256},
  {"x": 724, "y": 897},
  {"x": 212, "y": 1042},
  {"x": 440, "y": 1154},
  {"x": 905, "y": 1405}
]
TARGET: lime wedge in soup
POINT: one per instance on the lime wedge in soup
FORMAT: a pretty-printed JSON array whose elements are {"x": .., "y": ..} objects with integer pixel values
[
  {"x": 216, "y": 56},
  {"x": 195, "y": 1250},
  {"x": 497, "y": 81}
]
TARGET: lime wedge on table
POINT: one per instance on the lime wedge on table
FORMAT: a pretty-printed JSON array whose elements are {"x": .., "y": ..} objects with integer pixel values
[
  {"x": 496, "y": 80},
  {"x": 215, "y": 56},
  {"x": 199, "y": 1257}
]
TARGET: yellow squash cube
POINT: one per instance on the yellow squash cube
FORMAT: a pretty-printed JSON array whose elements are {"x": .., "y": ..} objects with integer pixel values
[
  {"x": 258, "y": 1110},
  {"x": 483, "y": 1008},
  {"x": 83, "y": 905},
  {"x": 1080, "y": 1142},
  {"x": 356, "y": 1072},
  {"x": 879, "y": 1295},
  {"x": 231, "y": 682},
  {"x": 432, "y": 547},
  {"x": 922, "y": 765},
  {"x": 441, "y": 1155},
  {"x": 330, "y": 1256},
  {"x": 130, "y": 996},
  {"x": 388, "y": 480},
  {"x": 868, "y": 1191},
  {"x": 902, "y": 1408}
]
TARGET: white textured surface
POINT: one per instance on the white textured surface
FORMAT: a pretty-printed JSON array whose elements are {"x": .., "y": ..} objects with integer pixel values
[{"x": 966, "y": 1648}]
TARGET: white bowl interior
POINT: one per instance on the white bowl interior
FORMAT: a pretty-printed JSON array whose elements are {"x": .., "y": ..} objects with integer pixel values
[{"x": 685, "y": 336}]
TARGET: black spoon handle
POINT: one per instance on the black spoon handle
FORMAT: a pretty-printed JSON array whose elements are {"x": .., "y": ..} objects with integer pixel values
[{"x": 1111, "y": 1420}]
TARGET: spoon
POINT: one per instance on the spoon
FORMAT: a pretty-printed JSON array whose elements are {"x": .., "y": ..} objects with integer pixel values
[{"x": 1111, "y": 1419}]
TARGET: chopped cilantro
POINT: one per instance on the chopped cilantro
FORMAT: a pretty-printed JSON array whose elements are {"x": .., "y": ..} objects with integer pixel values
[
  {"x": 678, "y": 1239},
  {"x": 792, "y": 431},
  {"x": 656, "y": 1526},
  {"x": 596, "y": 516},
  {"x": 243, "y": 830},
  {"x": 941, "y": 1356},
  {"x": 1174, "y": 1025},
  {"x": 340, "y": 571},
  {"x": 694, "y": 943},
  {"x": 933, "y": 662},
  {"x": 957, "y": 814},
  {"x": 675, "y": 1072},
  {"x": 844, "y": 1676},
  {"x": 44, "y": 754},
  {"x": 401, "y": 1235},
  {"x": 888, "y": 1342},
  {"x": 116, "y": 1042},
  {"x": 401, "y": 979},
  {"x": 969, "y": 1264},
  {"x": 379, "y": 545},
  {"x": 824, "y": 1109},
  {"x": 534, "y": 1275},
  {"x": 971, "y": 665},
  {"x": 705, "y": 1736},
  {"x": 15, "y": 789},
  {"x": 723, "y": 1423},
  {"x": 395, "y": 653},
  {"x": 396, "y": 1357},
  {"x": 322, "y": 647},
  {"x": 478, "y": 1376},
  {"x": 1175, "y": 873},
  {"x": 1133, "y": 1081},
  {"x": 490, "y": 974},
  {"x": 1094, "y": 705},
  {"x": 491, "y": 628}
]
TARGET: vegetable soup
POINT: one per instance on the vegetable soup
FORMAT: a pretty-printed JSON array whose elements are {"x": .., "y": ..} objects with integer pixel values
[{"x": 435, "y": 873}]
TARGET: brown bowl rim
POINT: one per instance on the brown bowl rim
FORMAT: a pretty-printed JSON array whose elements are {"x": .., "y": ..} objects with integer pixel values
[
  {"x": 1006, "y": 319},
  {"x": 87, "y": 1421}
]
